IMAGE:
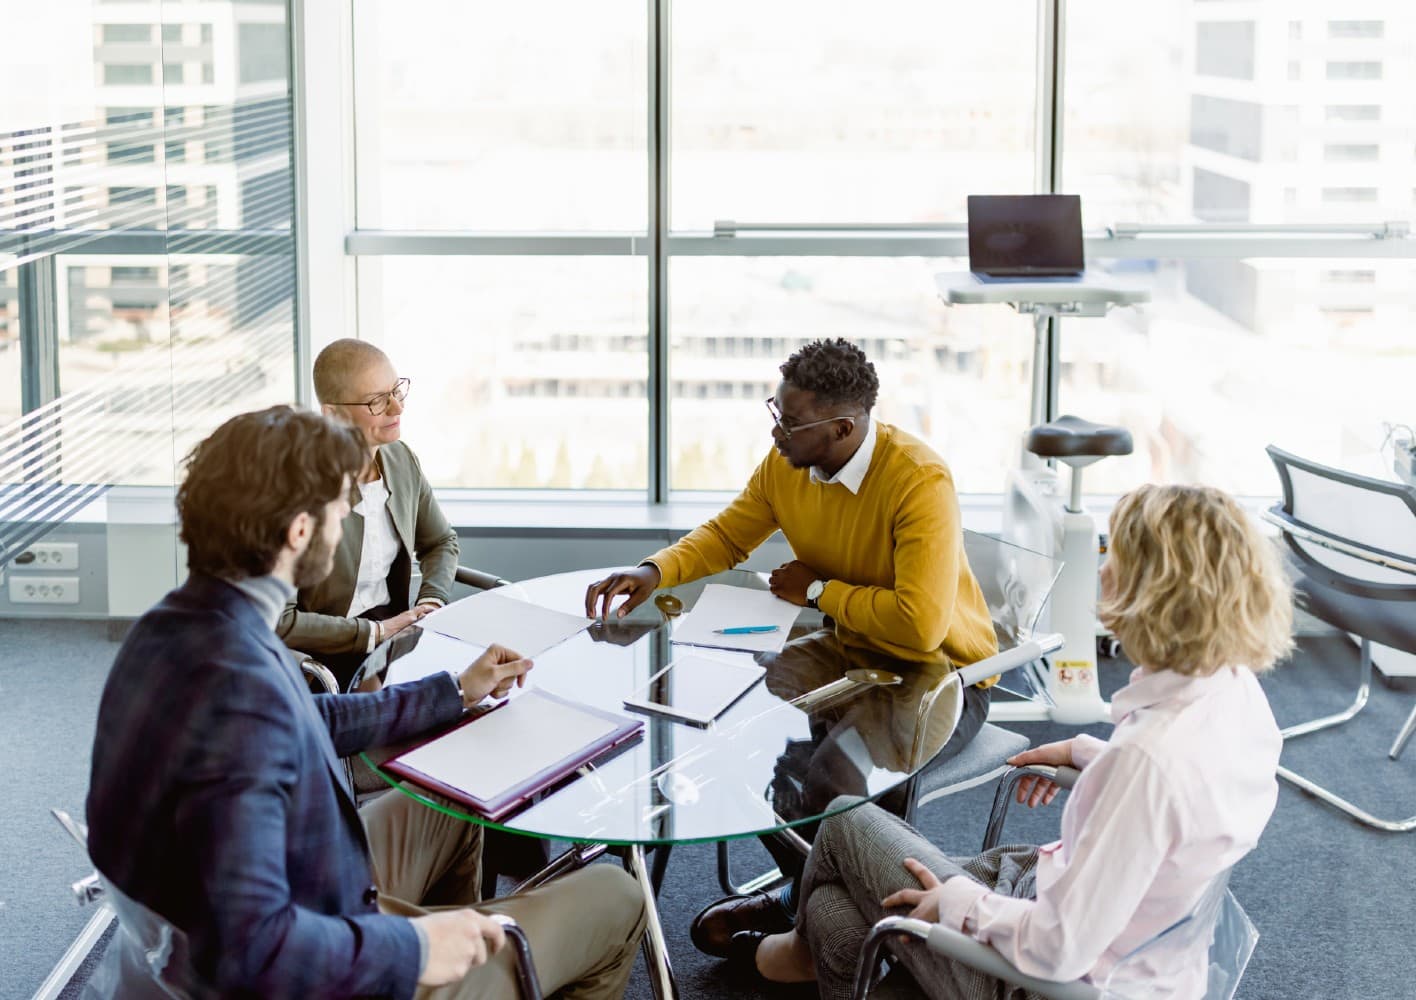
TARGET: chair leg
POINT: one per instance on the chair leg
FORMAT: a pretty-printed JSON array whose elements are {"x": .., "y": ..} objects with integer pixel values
[
  {"x": 660, "y": 866},
  {"x": 576, "y": 858},
  {"x": 766, "y": 880},
  {"x": 1403, "y": 736},
  {"x": 1328, "y": 721},
  {"x": 1356, "y": 812}
]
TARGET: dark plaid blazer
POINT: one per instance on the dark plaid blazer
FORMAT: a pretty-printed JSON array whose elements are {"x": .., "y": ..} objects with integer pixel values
[{"x": 217, "y": 800}]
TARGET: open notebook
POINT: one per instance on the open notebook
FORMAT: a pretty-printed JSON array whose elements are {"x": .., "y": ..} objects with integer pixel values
[{"x": 496, "y": 761}]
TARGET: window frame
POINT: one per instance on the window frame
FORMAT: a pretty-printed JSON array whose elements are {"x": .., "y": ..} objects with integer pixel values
[{"x": 656, "y": 247}]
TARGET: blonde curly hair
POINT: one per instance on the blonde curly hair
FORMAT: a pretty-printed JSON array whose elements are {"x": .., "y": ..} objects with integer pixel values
[{"x": 1191, "y": 585}]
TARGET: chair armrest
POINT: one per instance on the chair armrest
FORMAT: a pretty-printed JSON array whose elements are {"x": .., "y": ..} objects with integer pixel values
[
  {"x": 1290, "y": 525},
  {"x": 479, "y": 579},
  {"x": 1000, "y": 663},
  {"x": 963, "y": 949},
  {"x": 521, "y": 946},
  {"x": 1065, "y": 777},
  {"x": 321, "y": 674}
]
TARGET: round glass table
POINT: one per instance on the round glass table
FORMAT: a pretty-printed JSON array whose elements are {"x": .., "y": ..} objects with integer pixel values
[{"x": 822, "y": 723}]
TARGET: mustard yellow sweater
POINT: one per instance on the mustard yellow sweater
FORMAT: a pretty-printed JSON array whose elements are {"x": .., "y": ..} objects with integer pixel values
[{"x": 893, "y": 553}]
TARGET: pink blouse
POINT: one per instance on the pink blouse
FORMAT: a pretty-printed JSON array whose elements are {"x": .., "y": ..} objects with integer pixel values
[{"x": 1179, "y": 793}]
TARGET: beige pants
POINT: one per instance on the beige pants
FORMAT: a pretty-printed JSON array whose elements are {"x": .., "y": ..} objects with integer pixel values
[{"x": 584, "y": 928}]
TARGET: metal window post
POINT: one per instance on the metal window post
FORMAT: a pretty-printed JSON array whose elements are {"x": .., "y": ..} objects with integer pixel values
[
  {"x": 1048, "y": 348},
  {"x": 39, "y": 332},
  {"x": 658, "y": 332}
]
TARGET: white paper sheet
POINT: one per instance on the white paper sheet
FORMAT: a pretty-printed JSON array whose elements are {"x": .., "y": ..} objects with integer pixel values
[
  {"x": 507, "y": 746},
  {"x": 406, "y": 669},
  {"x": 721, "y": 606},
  {"x": 489, "y": 617}
]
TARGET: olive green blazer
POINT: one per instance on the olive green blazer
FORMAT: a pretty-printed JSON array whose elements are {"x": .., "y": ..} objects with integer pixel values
[{"x": 315, "y": 622}]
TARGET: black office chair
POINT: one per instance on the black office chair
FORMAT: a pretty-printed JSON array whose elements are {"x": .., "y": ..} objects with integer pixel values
[{"x": 1354, "y": 541}]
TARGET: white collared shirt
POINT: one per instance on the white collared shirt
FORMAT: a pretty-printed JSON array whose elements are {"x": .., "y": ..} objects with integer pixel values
[
  {"x": 380, "y": 548},
  {"x": 1177, "y": 795},
  {"x": 852, "y": 474}
]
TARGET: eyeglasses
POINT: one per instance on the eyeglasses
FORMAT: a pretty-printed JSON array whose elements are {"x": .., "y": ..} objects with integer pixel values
[
  {"x": 789, "y": 429},
  {"x": 378, "y": 405}
]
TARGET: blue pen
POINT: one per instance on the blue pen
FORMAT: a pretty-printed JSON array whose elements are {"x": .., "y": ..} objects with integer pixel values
[{"x": 746, "y": 630}]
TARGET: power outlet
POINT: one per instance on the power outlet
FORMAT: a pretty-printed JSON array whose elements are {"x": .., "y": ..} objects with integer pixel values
[
  {"x": 49, "y": 556},
  {"x": 44, "y": 589}
]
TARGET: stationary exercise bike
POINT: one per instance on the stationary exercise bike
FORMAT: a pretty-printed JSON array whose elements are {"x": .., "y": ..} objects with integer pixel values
[{"x": 1037, "y": 516}]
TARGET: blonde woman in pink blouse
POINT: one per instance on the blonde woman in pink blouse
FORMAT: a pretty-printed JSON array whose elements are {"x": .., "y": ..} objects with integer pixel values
[{"x": 1177, "y": 795}]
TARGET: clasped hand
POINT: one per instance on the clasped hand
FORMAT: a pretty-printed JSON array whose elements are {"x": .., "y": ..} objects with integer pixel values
[{"x": 790, "y": 580}]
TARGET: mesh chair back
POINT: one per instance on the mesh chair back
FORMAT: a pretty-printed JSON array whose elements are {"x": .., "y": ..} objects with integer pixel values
[
  {"x": 1217, "y": 926},
  {"x": 1374, "y": 513}
]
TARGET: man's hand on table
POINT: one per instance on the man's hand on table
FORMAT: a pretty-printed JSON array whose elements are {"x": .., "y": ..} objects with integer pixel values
[
  {"x": 790, "y": 580},
  {"x": 493, "y": 673},
  {"x": 458, "y": 940},
  {"x": 637, "y": 583}
]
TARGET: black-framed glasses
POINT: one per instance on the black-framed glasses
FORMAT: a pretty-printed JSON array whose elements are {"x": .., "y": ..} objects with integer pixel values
[
  {"x": 378, "y": 405},
  {"x": 789, "y": 429}
]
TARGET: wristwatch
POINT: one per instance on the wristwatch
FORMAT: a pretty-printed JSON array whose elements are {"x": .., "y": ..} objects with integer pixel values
[{"x": 814, "y": 590}]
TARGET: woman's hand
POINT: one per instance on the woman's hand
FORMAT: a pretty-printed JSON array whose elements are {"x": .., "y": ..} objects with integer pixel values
[
  {"x": 390, "y": 627},
  {"x": 1034, "y": 790},
  {"x": 925, "y": 901}
]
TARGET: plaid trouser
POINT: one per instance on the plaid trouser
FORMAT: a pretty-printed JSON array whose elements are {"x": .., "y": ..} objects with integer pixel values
[{"x": 858, "y": 860}]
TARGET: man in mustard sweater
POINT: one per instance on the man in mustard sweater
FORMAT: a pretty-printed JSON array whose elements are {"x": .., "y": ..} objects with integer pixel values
[{"x": 871, "y": 515}]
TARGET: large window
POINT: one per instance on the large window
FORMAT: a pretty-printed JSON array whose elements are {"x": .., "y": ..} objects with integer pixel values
[
  {"x": 501, "y": 116},
  {"x": 595, "y": 241},
  {"x": 823, "y": 111},
  {"x": 527, "y": 372},
  {"x": 958, "y": 378},
  {"x": 147, "y": 267}
]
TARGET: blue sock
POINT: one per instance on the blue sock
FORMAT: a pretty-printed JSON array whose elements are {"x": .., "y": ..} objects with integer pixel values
[{"x": 786, "y": 898}]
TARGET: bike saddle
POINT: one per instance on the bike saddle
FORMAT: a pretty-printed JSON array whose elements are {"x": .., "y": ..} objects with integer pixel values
[{"x": 1073, "y": 437}]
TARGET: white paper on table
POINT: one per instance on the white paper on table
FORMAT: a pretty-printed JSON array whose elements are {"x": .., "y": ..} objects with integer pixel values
[
  {"x": 406, "y": 669},
  {"x": 508, "y": 746},
  {"x": 722, "y": 606},
  {"x": 488, "y": 617}
]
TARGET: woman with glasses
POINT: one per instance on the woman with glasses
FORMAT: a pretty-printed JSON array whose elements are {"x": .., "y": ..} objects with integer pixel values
[{"x": 394, "y": 520}]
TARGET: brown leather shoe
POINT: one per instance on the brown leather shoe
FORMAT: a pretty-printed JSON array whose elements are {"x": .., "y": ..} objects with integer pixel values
[{"x": 715, "y": 926}]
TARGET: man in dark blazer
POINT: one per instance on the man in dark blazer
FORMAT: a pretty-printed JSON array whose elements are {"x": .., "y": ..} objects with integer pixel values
[{"x": 217, "y": 799}]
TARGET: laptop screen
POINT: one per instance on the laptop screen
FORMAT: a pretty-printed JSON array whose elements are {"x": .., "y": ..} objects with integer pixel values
[{"x": 1025, "y": 234}]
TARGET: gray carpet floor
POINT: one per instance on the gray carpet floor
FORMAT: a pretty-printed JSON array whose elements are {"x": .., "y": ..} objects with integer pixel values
[{"x": 1332, "y": 900}]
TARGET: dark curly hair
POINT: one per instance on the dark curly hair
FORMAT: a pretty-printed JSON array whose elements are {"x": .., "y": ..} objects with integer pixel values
[
  {"x": 249, "y": 480},
  {"x": 835, "y": 370}
]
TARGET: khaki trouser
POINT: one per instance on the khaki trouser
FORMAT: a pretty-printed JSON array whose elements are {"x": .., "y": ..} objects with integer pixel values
[{"x": 584, "y": 927}]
